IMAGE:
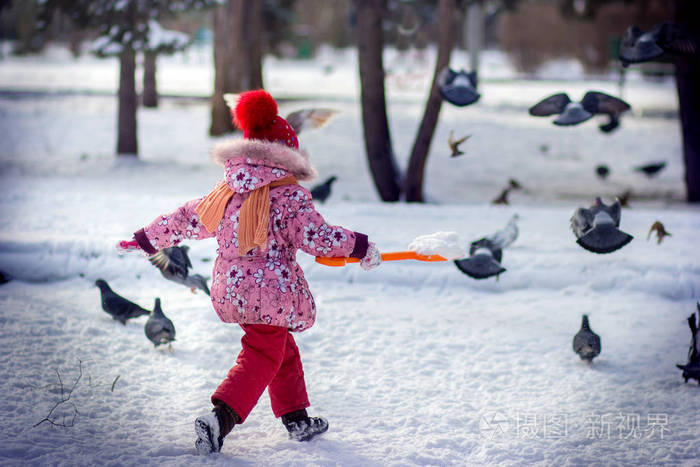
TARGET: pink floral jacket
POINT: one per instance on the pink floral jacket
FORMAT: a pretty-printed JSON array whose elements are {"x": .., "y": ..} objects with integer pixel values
[{"x": 261, "y": 287}]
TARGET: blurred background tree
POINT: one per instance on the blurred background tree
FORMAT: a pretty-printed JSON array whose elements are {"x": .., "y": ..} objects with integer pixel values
[{"x": 125, "y": 27}]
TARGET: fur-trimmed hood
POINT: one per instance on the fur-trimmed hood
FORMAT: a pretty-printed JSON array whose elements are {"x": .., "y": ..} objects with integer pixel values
[{"x": 235, "y": 154}]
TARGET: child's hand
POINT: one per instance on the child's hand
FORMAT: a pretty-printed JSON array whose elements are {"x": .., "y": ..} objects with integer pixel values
[
  {"x": 372, "y": 258},
  {"x": 129, "y": 245}
]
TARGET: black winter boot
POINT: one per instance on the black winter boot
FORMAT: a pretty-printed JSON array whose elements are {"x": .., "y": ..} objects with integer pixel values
[
  {"x": 301, "y": 427},
  {"x": 212, "y": 427}
]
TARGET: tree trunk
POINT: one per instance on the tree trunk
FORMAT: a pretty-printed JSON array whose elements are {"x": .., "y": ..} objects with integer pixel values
[
  {"x": 252, "y": 28},
  {"x": 225, "y": 38},
  {"x": 374, "y": 119},
  {"x": 237, "y": 56},
  {"x": 150, "y": 91},
  {"x": 127, "y": 143},
  {"x": 413, "y": 186},
  {"x": 687, "y": 79}
]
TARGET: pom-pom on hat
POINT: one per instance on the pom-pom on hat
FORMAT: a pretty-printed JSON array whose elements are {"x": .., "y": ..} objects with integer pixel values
[{"x": 256, "y": 115}]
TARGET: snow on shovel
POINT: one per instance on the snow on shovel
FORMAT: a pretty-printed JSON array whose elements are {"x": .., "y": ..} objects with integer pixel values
[{"x": 440, "y": 246}]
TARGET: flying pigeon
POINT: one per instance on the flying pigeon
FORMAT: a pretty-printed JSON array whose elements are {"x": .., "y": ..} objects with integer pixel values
[
  {"x": 638, "y": 46},
  {"x": 454, "y": 144},
  {"x": 159, "y": 329},
  {"x": 660, "y": 231},
  {"x": 586, "y": 342},
  {"x": 596, "y": 228},
  {"x": 652, "y": 169},
  {"x": 117, "y": 306},
  {"x": 485, "y": 254},
  {"x": 573, "y": 113},
  {"x": 602, "y": 171},
  {"x": 691, "y": 370},
  {"x": 503, "y": 197},
  {"x": 299, "y": 120},
  {"x": 322, "y": 191},
  {"x": 458, "y": 88},
  {"x": 174, "y": 264}
]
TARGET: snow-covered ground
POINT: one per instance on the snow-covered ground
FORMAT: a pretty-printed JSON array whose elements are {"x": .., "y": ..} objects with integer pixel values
[{"x": 412, "y": 363}]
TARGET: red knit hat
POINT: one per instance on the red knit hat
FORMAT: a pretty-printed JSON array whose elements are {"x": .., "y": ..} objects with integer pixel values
[{"x": 256, "y": 114}]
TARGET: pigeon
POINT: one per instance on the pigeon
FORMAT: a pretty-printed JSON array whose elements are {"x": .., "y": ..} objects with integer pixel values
[
  {"x": 638, "y": 46},
  {"x": 159, "y": 329},
  {"x": 503, "y": 197},
  {"x": 691, "y": 370},
  {"x": 660, "y": 230},
  {"x": 586, "y": 342},
  {"x": 322, "y": 191},
  {"x": 652, "y": 169},
  {"x": 454, "y": 144},
  {"x": 299, "y": 120},
  {"x": 596, "y": 228},
  {"x": 117, "y": 306},
  {"x": 309, "y": 119},
  {"x": 485, "y": 254},
  {"x": 458, "y": 88},
  {"x": 174, "y": 264},
  {"x": 602, "y": 171},
  {"x": 573, "y": 113}
]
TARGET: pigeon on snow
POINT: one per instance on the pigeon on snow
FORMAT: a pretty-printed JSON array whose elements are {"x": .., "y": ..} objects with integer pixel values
[
  {"x": 159, "y": 329},
  {"x": 573, "y": 113},
  {"x": 638, "y": 46},
  {"x": 596, "y": 228},
  {"x": 174, "y": 264},
  {"x": 322, "y": 191},
  {"x": 485, "y": 254},
  {"x": 458, "y": 88},
  {"x": 651, "y": 169},
  {"x": 117, "y": 306},
  {"x": 586, "y": 342},
  {"x": 691, "y": 370},
  {"x": 454, "y": 144}
]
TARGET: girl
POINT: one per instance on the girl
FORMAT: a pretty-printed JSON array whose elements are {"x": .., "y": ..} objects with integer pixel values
[{"x": 260, "y": 217}]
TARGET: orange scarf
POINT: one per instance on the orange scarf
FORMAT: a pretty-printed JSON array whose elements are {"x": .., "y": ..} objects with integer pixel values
[{"x": 253, "y": 217}]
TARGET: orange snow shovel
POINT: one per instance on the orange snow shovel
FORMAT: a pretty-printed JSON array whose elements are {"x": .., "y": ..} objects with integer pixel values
[{"x": 390, "y": 256}]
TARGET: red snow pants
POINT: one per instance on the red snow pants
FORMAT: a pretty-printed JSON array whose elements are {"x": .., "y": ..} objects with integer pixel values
[{"x": 269, "y": 359}]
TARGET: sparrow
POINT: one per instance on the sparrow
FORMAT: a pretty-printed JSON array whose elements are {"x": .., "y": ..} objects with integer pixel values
[
  {"x": 454, "y": 144},
  {"x": 573, "y": 113},
  {"x": 660, "y": 230}
]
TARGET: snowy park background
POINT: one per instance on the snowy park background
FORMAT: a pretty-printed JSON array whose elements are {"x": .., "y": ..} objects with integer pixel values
[{"x": 412, "y": 363}]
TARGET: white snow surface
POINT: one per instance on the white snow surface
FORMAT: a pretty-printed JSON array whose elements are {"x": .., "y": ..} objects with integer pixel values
[
  {"x": 446, "y": 244},
  {"x": 413, "y": 363}
]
